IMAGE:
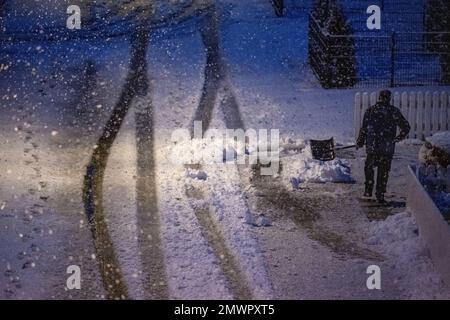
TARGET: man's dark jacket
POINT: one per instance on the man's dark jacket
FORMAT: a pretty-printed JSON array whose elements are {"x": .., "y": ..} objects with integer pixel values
[{"x": 379, "y": 129}]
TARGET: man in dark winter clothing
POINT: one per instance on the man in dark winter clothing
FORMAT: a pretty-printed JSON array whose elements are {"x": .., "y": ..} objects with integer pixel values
[{"x": 379, "y": 135}]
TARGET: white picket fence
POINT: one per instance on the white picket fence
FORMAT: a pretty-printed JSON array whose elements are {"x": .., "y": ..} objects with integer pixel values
[{"x": 427, "y": 112}]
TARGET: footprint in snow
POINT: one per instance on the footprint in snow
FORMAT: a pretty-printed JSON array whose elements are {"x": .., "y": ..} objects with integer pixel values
[
  {"x": 22, "y": 255},
  {"x": 26, "y": 237},
  {"x": 27, "y": 218},
  {"x": 9, "y": 273},
  {"x": 37, "y": 210},
  {"x": 38, "y": 231},
  {"x": 28, "y": 264},
  {"x": 8, "y": 293},
  {"x": 16, "y": 282}
]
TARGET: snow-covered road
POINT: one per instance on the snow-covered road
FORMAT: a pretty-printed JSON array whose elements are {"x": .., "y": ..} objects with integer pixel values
[{"x": 166, "y": 230}]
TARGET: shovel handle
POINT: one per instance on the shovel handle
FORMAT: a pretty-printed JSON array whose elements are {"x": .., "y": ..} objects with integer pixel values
[{"x": 347, "y": 147}]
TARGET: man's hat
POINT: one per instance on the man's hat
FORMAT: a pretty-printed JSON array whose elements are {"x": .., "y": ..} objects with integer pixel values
[{"x": 385, "y": 95}]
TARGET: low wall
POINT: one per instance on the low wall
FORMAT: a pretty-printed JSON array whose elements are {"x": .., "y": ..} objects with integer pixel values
[{"x": 432, "y": 226}]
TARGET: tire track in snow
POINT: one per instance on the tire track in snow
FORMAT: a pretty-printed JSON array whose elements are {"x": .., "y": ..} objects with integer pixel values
[
  {"x": 215, "y": 81},
  {"x": 136, "y": 85},
  {"x": 149, "y": 236},
  {"x": 212, "y": 84},
  {"x": 149, "y": 231},
  {"x": 233, "y": 273}
]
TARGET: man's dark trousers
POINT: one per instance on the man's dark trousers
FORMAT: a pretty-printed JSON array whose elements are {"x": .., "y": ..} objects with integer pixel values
[{"x": 383, "y": 163}]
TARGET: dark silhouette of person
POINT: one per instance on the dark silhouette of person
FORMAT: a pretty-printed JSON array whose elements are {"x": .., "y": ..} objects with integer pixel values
[
  {"x": 379, "y": 135},
  {"x": 279, "y": 7}
]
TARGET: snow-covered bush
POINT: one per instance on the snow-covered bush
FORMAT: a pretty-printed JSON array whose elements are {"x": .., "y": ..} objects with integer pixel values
[
  {"x": 434, "y": 170},
  {"x": 437, "y": 20},
  {"x": 436, "y": 150}
]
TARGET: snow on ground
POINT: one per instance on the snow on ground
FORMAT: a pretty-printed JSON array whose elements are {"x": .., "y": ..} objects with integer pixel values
[
  {"x": 49, "y": 125},
  {"x": 120, "y": 205},
  {"x": 231, "y": 214},
  {"x": 191, "y": 263},
  {"x": 398, "y": 238},
  {"x": 225, "y": 192},
  {"x": 268, "y": 67},
  {"x": 193, "y": 270},
  {"x": 43, "y": 226},
  {"x": 275, "y": 90}
]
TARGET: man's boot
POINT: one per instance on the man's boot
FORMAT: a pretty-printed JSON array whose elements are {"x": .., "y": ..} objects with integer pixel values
[
  {"x": 369, "y": 190},
  {"x": 380, "y": 198}
]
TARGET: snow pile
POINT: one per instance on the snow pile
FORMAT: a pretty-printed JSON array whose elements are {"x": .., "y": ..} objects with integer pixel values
[
  {"x": 441, "y": 140},
  {"x": 206, "y": 151},
  {"x": 290, "y": 145},
  {"x": 302, "y": 168},
  {"x": 398, "y": 234},
  {"x": 398, "y": 238}
]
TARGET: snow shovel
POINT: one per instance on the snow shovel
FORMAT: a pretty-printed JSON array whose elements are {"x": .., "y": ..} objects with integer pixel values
[{"x": 325, "y": 150}]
